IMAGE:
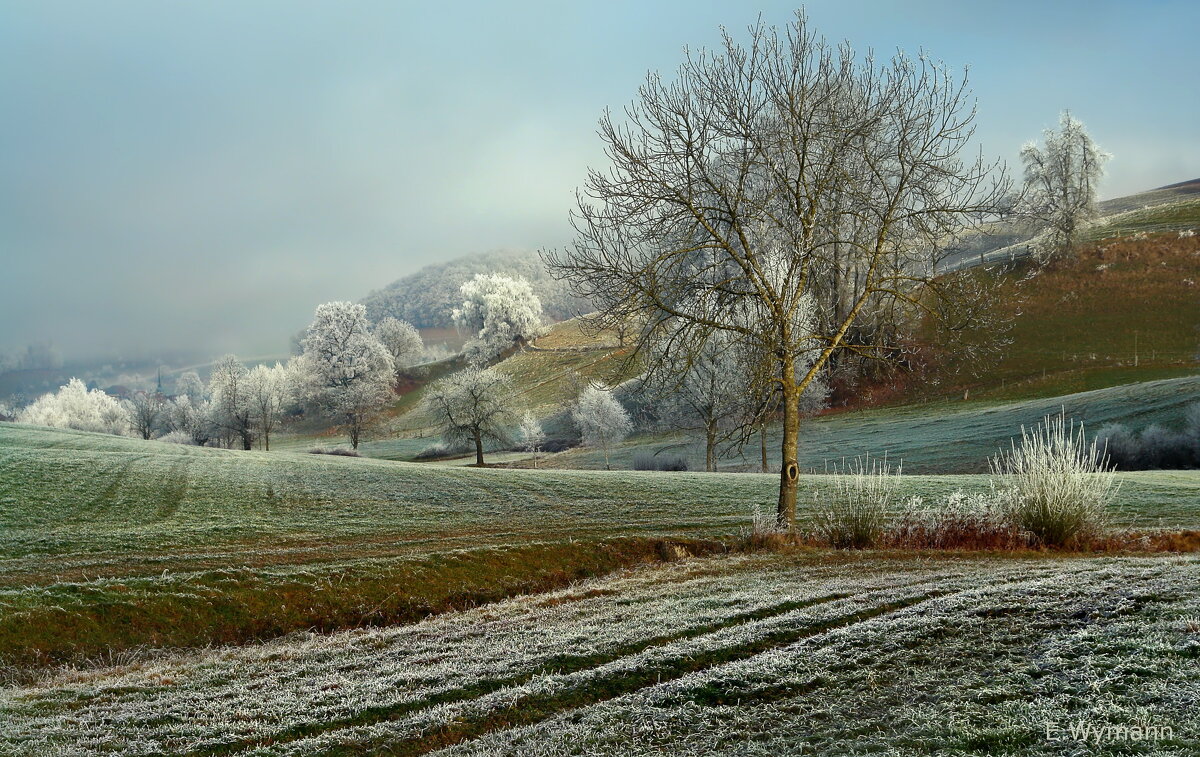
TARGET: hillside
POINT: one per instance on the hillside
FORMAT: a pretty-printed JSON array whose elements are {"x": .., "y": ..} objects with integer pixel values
[
  {"x": 941, "y": 437},
  {"x": 1124, "y": 310},
  {"x": 426, "y": 298}
]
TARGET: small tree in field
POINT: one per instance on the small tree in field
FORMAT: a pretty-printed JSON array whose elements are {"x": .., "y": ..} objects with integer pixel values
[
  {"x": 531, "y": 435},
  {"x": 270, "y": 392},
  {"x": 498, "y": 311},
  {"x": 1061, "y": 179},
  {"x": 146, "y": 409},
  {"x": 601, "y": 419},
  {"x": 473, "y": 406},
  {"x": 229, "y": 387},
  {"x": 403, "y": 343},
  {"x": 346, "y": 371}
]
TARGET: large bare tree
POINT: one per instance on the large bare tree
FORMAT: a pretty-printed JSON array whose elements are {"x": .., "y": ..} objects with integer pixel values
[{"x": 763, "y": 175}]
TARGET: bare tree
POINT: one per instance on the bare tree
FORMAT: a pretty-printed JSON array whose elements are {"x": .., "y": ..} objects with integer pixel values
[
  {"x": 230, "y": 390},
  {"x": 474, "y": 405},
  {"x": 1060, "y": 182},
  {"x": 270, "y": 391},
  {"x": 145, "y": 411},
  {"x": 736, "y": 186}
]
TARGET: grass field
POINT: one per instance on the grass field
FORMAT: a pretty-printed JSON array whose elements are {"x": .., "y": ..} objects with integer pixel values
[
  {"x": 938, "y": 437},
  {"x": 795, "y": 654},
  {"x": 109, "y": 543}
]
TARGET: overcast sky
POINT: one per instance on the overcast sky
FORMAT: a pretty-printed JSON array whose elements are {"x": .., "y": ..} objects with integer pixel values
[{"x": 202, "y": 174}]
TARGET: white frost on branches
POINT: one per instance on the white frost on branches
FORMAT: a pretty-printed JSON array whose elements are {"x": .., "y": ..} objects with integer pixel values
[
  {"x": 229, "y": 387},
  {"x": 1060, "y": 183},
  {"x": 473, "y": 406},
  {"x": 601, "y": 419},
  {"x": 74, "y": 406},
  {"x": 498, "y": 311},
  {"x": 403, "y": 342},
  {"x": 347, "y": 370},
  {"x": 271, "y": 391}
]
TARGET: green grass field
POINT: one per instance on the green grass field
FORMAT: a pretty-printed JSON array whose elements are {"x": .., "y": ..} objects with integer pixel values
[
  {"x": 113, "y": 530},
  {"x": 938, "y": 437}
]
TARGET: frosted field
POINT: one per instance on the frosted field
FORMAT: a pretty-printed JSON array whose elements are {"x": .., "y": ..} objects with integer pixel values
[{"x": 733, "y": 655}]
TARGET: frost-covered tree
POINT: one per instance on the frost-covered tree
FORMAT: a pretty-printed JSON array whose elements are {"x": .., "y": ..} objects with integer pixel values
[
  {"x": 189, "y": 384},
  {"x": 531, "y": 435},
  {"x": 707, "y": 393},
  {"x": 146, "y": 412},
  {"x": 736, "y": 185},
  {"x": 193, "y": 418},
  {"x": 1061, "y": 179},
  {"x": 346, "y": 370},
  {"x": 601, "y": 419},
  {"x": 232, "y": 409},
  {"x": 74, "y": 406},
  {"x": 403, "y": 343},
  {"x": 270, "y": 392},
  {"x": 498, "y": 312},
  {"x": 473, "y": 406}
]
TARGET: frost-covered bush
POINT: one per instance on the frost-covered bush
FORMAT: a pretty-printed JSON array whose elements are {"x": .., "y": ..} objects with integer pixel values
[
  {"x": 853, "y": 512},
  {"x": 74, "y": 406},
  {"x": 1057, "y": 486},
  {"x": 667, "y": 463},
  {"x": 177, "y": 437},
  {"x": 958, "y": 521},
  {"x": 1156, "y": 447}
]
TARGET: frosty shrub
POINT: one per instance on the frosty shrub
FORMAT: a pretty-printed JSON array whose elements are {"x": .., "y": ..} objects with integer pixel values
[
  {"x": 1056, "y": 486},
  {"x": 852, "y": 513},
  {"x": 335, "y": 451},
  {"x": 958, "y": 521},
  {"x": 668, "y": 463},
  {"x": 177, "y": 437},
  {"x": 77, "y": 407}
]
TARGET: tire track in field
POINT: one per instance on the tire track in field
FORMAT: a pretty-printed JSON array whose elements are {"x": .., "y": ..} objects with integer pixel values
[
  {"x": 557, "y": 665},
  {"x": 102, "y": 503},
  {"x": 534, "y": 708},
  {"x": 174, "y": 490}
]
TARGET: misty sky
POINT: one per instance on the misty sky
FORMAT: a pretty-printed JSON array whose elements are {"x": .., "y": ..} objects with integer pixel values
[{"x": 200, "y": 175}]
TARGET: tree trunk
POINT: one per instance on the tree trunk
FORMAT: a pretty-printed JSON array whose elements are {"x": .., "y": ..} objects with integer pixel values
[
  {"x": 789, "y": 475},
  {"x": 762, "y": 438},
  {"x": 354, "y": 433},
  {"x": 267, "y": 440},
  {"x": 479, "y": 450},
  {"x": 247, "y": 440},
  {"x": 710, "y": 447}
]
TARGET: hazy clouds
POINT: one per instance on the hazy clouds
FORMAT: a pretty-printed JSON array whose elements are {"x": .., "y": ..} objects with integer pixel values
[{"x": 203, "y": 174}]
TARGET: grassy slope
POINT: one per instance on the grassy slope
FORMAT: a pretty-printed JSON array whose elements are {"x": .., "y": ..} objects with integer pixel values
[
  {"x": 1123, "y": 311},
  {"x": 127, "y": 537},
  {"x": 942, "y": 437}
]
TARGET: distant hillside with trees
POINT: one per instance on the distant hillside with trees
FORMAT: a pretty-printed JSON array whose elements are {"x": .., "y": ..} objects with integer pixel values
[{"x": 427, "y": 298}]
